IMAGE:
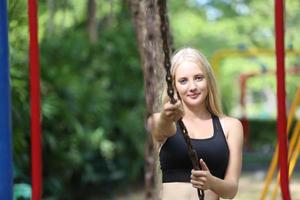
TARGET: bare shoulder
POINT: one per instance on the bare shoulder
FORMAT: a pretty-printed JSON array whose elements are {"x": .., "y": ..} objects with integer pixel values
[
  {"x": 234, "y": 126},
  {"x": 231, "y": 121}
]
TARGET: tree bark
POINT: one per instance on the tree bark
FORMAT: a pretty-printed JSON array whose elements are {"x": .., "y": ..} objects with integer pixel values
[
  {"x": 92, "y": 21},
  {"x": 147, "y": 29},
  {"x": 50, "y": 21}
]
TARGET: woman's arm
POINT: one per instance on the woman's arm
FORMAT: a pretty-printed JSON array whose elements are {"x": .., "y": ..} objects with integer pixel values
[
  {"x": 228, "y": 187},
  {"x": 160, "y": 128},
  {"x": 162, "y": 125}
]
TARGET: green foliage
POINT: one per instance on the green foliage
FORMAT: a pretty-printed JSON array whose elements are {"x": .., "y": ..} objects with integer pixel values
[{"x": 92, "y": 101}]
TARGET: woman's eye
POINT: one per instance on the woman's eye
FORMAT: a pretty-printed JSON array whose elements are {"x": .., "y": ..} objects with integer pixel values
[
  {"x": 199, "y": 78},
  {"x": 182, "y": 81}
]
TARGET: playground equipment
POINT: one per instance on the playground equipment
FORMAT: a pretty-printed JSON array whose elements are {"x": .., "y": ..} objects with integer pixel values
[
  {"x": 243, "y": 78},
  {"x": 22, "y": 191},
  {"x": 293, "y": 152},
  {"x": 35, "y": 112},
  {"x": 170, "y": 90},
  {"x": 245, "y": 53},
  {"x": 6, "y": 177}
]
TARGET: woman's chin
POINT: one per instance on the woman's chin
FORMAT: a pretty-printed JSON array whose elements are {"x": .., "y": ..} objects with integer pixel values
[{"x": 194, "y": 102}]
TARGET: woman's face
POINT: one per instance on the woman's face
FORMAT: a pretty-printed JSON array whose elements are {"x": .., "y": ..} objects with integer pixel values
[{"x": 191, "y": 84}]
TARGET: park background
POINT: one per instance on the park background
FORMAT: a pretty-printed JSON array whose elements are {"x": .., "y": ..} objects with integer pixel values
[{"x": 93, "y": 102}]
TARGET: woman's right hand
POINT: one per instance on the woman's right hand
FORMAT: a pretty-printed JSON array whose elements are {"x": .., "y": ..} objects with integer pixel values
[
  {"x": 172, "y": 112},
  {"x": 162, "y": 124}
]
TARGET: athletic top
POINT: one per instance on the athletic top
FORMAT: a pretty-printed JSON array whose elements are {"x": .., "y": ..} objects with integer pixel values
[{"x": 175, "y": 162}]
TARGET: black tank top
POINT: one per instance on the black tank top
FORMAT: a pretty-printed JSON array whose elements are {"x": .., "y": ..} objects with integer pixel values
[{"x": 175, "y": 162}]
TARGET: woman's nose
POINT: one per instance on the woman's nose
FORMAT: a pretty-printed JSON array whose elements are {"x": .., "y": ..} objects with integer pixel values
[{"x": 192, "y": 86}]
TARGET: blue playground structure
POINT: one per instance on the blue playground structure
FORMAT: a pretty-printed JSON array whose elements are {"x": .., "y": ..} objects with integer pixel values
[{"x": 6, "y": 175}]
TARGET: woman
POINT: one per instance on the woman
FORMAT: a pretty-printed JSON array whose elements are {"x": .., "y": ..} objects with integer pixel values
[{"x": 218, "y": 139}]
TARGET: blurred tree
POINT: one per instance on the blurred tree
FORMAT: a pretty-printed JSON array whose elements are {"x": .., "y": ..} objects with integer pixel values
[
  {"x": 146, "y": 20},
  {"x": 92, "y": 21}
]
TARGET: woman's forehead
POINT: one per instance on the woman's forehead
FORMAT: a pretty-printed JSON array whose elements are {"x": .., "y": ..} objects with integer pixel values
[{"x": 187, "y": 67}]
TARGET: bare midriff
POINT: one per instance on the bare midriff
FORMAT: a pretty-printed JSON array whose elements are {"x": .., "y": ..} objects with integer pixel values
[{"x": 180, "y": 191}]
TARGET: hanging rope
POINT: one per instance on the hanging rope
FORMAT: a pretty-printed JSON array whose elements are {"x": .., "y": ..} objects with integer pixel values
[
  {"x": 36, "y": 160},
  {"x": 164, "y": 28}
]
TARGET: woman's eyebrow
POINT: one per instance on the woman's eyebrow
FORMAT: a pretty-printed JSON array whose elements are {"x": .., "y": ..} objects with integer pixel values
[{"x": 181, "y": 77}]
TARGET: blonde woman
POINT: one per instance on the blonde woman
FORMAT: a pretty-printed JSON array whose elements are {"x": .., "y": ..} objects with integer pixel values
[{"x": 218, "y": 139}]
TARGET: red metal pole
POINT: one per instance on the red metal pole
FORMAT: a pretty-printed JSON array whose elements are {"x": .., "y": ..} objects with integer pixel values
[
  {"x": 281, "y": 105},
  {"x": 36, "y": 156}
]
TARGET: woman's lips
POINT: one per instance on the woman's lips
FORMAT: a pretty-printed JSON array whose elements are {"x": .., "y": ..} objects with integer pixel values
[{"x": 194, "y": 95}]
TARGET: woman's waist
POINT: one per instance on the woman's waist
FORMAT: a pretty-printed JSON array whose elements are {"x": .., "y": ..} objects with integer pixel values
[{"x": 181, "y": 190}]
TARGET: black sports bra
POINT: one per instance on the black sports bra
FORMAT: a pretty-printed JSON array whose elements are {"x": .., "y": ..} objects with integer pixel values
[{"x": 175, "y": 162}]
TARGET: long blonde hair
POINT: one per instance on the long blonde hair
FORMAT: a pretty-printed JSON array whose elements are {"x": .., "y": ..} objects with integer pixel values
[{"x": 212, "y": 100}]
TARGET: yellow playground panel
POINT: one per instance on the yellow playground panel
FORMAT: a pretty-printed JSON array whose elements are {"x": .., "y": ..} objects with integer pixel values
[{"x": 226, "y": 53}]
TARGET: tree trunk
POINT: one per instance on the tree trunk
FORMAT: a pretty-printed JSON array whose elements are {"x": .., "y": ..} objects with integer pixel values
[
  {"x": 147, "y": 28},
  {"x": 92, "y": 21},
  {"x": 50, "y": 21}
]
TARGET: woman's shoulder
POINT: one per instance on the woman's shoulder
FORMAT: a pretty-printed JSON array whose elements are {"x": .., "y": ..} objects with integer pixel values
[
  {"x": 232, "y": 124},
  {"x": 231, "y": 120}
]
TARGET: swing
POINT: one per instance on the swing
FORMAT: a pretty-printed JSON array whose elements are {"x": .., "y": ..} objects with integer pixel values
[{"x": 170, "y": 90}]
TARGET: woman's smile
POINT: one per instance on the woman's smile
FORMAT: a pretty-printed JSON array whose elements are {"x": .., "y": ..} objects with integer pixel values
[{"x": 194, "y": 95}]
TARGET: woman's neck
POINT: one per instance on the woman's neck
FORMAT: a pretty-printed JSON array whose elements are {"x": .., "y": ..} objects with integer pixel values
[{"x": 199, "y": 112}]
